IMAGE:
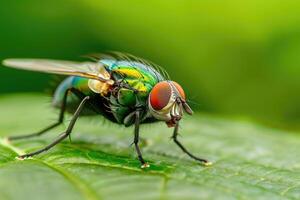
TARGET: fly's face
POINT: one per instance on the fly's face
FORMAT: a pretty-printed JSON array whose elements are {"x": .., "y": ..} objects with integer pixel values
[{"x": 167, "y": 102}]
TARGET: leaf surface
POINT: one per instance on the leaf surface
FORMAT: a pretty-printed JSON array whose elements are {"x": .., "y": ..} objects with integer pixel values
[{"x": 250, "y": 161}]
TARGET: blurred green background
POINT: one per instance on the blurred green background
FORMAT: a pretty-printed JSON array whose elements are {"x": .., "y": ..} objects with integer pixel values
[{"x": 235, "y": 58}]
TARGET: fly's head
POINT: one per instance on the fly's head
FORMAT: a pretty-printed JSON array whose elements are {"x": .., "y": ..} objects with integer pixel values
[{"x": 167, "y": 102}]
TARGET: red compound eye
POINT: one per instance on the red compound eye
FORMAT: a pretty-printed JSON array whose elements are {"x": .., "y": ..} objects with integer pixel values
[
  {"x": 180, "y": 90},
  {"x": 160, "y": 95}
]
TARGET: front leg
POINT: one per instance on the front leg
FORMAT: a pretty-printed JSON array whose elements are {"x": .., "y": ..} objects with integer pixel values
[
  {"x": 174, "y": 137},
  {"x": 136, "y": 140}
]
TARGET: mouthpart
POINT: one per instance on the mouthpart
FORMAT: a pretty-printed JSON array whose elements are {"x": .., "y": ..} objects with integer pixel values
[{"x": 174, "y": 120}]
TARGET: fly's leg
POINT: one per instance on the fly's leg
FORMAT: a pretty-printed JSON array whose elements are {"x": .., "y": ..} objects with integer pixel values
[
  {"x": 64, "y": 134},
  {"x": 79, "y": 94},
  {"x": 174, "y": 137},
  {"x": 45, "y": 130},
  {"x": 11, "y": 138},
  {"x": 136, "y": 140}
]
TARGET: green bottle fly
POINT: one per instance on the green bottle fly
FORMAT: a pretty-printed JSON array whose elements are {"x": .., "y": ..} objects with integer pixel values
[{"x": 121, "y": 87}]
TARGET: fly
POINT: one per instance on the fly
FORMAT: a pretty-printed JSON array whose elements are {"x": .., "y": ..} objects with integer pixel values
[{"x": 121, "y": 87}]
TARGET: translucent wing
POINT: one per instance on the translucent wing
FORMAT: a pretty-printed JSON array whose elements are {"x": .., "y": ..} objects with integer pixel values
[
  {"x": 84, "y": 69},
  {"x": 118, "y": 56}
]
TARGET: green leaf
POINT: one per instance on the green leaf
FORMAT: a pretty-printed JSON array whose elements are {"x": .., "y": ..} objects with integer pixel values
[{"x": 250, "y": 161}]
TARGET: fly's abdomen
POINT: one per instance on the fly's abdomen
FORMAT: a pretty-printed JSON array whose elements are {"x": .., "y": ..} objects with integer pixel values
[{"x": 72, "y": 101}]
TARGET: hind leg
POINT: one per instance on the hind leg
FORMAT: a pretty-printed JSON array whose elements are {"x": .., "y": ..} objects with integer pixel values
[
  {"x": 48, "y": 128},
  {"x": 64, "y": 134}
]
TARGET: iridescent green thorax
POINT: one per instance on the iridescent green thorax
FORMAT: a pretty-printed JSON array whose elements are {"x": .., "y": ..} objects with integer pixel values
[
  {"x": 135, "y": 73},
  {"x": 136, "y": 81}
]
